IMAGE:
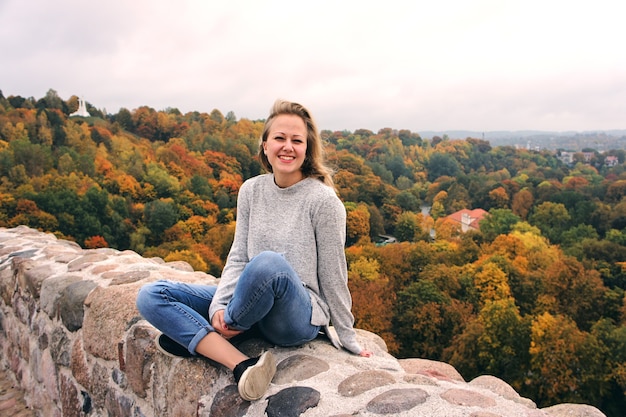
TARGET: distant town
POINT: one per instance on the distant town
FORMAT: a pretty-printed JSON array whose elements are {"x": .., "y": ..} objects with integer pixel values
[{"x": 600, "y": 140}]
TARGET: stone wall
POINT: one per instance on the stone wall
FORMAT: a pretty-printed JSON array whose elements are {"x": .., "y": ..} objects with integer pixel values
[{"x": 73, "y": 339}]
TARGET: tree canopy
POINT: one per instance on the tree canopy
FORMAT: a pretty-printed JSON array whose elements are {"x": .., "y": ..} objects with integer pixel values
[{"x": 536, "y": 295}]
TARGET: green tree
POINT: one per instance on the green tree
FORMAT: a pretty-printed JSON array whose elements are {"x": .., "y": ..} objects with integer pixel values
[
  {"x": 124, "y": 118},
  {"x": 612, "y": 400},
  {"x": 407, "y": 201},
  {"x": 441, "y": 164},
  {"x": 577, "y": 234},
  {"x": 420, "y": 323},
  {"x": 36, "y": 159},
  {"x": 200, "y": 186},
  {"x": 495, "y": 343},
  {"x": 159, "y": 216},
  {"x": 552, "y": 219},
  {"x": 407, "y": 227},
  {"x": 53, "y": 101},
  {"x": 164, "y": 184},
  {"x": 63, "y": 203},
  {"x": 377, "y": 223},
  {"x": 500, "y": 221}
]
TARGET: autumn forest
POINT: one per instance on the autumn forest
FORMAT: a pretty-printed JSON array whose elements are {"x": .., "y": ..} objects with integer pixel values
[{"x": 536, "y": 296}]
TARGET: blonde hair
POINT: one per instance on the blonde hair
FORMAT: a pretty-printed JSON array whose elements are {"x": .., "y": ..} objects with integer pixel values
[{"x": 314, "y": 164}]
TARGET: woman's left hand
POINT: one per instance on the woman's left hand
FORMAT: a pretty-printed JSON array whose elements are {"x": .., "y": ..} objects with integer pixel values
[
  {"x": 366, "y": 353},
  {"x": 221, "y": 327}
]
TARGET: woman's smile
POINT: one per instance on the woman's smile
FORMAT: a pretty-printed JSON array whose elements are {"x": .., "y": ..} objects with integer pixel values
[{"x": 285, "y": 148}]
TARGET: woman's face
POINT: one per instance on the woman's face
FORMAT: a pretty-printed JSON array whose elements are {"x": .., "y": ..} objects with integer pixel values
[{"x": 285, "y": 148}]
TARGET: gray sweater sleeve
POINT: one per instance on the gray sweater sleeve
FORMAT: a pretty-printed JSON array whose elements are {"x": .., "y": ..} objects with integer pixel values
[
  {"x": 237, "y": 257},
  {"x": 330, "y": 230}
]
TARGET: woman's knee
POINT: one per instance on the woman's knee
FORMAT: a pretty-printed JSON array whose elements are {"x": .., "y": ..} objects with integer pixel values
[
  {"x": 268, "y": 263},
  {"x": 268, "y": 257},
  {"x": 147, "y": 297}
]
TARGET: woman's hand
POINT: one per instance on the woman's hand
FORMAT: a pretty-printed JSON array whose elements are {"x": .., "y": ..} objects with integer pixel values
[
  {"x": 221, "y": 327},
  {"x": 366, "y": 353}
]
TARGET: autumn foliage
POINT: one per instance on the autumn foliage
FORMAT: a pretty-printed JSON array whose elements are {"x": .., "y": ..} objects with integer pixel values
[{"x": 535, "y": 296}]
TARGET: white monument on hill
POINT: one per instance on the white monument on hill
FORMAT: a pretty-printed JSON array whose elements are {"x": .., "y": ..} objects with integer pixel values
[{"x": 82, "y": 109}]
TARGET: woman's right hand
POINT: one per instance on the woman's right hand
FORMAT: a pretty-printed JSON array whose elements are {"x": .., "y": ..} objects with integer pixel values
[{"x": 221, "y": 327}]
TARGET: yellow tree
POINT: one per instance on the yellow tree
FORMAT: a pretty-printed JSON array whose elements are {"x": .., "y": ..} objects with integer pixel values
[
  {"x": 192, "y": 258},
  {"x": 447, "y": 230},
  {"x": 44, "y": 132},
  {"x": 358, "y": 222},
  {"x": 198, "y": 226},
  {"x": 438, "y": 208},
  {"x": 400, "y": 261},
  {"x": 537, "y": 249},
  {"x": 127, "y": 185},
  {"x": 567, "y": 364},
  {"x": 27, "y": 213},
  {"x": 220, "y": 238},
  {"x": 212, "y": 260},
  {"x": 15, "y": 132},
  {"x": 492, "y": 283},
  {"x": 372, "y": 300},
  {"x": 78, "y": 136},
  {"x": 572, "y": 290},
  {"x": 344, "y": 182},
  {"x": 72, "y": 103}
]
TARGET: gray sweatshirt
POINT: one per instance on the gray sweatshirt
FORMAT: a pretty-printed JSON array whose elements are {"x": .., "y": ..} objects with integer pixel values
[{"x": 307, "y": 223}]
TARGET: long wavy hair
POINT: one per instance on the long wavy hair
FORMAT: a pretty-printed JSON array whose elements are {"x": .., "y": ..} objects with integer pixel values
[{"x": 314, "y": 164}]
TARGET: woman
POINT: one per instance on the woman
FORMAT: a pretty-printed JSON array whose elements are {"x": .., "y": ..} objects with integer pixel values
[{"x": 286, "y": 270}]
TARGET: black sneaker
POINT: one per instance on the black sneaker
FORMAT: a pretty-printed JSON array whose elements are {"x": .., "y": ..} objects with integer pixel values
[
  {"x": 170, "y": 347},
  {"x": 254, "y": 375}
]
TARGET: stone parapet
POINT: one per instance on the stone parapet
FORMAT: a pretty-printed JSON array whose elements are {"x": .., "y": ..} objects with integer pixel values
[{"x": 72, "y": 337}]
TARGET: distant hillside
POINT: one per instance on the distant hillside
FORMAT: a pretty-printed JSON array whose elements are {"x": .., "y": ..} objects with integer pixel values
[{"x": 600, "y": 140}]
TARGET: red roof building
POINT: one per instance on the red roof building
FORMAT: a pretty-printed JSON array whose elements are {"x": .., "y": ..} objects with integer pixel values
[{"x": 469, "y": 219}]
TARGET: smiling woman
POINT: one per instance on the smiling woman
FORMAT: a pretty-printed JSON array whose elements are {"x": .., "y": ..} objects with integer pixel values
[
  {"x": 285, "y": 148},
  {"x": 286, "y": 273},
  {"x": 291, "y": 131}
]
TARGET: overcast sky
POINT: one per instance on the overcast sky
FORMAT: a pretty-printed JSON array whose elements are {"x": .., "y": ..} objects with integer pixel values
[{"x": 478, "y": 65}]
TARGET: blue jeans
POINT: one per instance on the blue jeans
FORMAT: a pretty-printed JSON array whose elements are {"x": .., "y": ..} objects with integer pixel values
[{"x": 269, "y": 293}]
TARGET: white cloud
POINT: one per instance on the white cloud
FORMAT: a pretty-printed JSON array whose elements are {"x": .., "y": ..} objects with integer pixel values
[{"x": 463, "y": 64}]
